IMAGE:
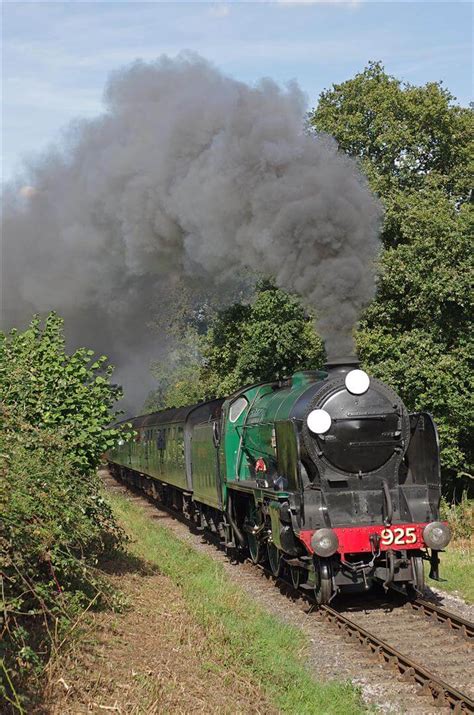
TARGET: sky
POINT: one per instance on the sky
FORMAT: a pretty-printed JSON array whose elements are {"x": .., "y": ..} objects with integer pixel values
[{"x": 57, "y": 56}]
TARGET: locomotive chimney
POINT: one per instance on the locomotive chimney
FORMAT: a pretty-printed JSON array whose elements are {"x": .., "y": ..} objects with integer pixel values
[{"x": 341, "y": 365}]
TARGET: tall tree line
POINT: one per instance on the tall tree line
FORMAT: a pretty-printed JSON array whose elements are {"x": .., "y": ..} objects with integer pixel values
[{"x": 415, "y": 145}]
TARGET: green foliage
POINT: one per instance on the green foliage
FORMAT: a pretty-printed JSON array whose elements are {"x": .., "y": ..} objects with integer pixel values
[
  {"x": 182, "y": 322},
  {"x": 178, "y": 376},
  {"x": 50, "y": 389},
  {"x": 270, "y": 338},
  {"x": 55, "y": 410},
  {"x": 266, "y": 339},
  {"x": 416, "y": 335},
  {"x": 416, "y": 148},
  {"x": 460, "y": 516},
  {"x": 402, "y": 134}
]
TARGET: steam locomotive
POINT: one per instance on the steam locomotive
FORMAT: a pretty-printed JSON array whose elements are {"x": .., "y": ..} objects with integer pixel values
[{"x": 324, "y": 476}]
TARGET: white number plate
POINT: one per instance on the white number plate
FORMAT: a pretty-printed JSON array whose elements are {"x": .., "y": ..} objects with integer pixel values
[{"x": 398, "y": 536}]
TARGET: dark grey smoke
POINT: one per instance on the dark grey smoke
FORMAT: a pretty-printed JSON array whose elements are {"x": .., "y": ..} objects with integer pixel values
[{"x": 187, "y": 173}]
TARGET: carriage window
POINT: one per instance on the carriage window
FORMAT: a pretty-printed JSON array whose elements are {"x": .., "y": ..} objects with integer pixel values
[{"x": 237, "y": 408}]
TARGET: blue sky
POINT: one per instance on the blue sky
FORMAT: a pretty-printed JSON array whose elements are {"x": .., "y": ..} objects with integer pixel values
[{"x": 56, "y": 56}]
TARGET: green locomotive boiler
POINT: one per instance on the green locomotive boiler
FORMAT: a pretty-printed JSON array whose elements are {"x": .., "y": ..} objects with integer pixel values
[{"x": 324, "y": 475}]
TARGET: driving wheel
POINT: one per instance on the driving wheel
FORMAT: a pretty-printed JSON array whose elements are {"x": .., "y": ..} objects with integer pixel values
[{"x": 323, "y": 587}]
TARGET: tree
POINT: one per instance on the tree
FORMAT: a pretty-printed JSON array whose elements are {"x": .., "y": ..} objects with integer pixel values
[
  {"x": 179, "y": 374},
  {"x": 183, "y": 317},
  {"x": 404, "y": 135},
  {"x": 47, "y": 388},
  {"x": 416, "y": 148},
  {"x": 267, "y": 339},
  {"x": 55, "y": 414}
]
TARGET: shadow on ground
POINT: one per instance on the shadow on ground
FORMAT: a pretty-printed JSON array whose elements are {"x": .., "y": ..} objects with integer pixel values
[{"x": 119, "y": 563}]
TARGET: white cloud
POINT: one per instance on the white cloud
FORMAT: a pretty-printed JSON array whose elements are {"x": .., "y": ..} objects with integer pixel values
[{"x": 220, "y": 9}]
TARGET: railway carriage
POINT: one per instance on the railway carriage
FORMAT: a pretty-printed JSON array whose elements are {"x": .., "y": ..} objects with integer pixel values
[{"x": 324, "y": 475}]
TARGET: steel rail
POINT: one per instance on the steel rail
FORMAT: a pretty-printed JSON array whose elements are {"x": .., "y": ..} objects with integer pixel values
[
  {"x": 434, "y": 613},
  {"x": 442, "y": 693}
]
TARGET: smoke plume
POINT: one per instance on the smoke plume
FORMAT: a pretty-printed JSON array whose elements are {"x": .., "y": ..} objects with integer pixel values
[{"x": 187, "y": 173}]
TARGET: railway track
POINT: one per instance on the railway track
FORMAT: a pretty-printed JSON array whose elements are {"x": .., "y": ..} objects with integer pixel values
[
  {"x": 446, "y": 618},
  {"x": 431, "y": 684},
  {"x": 446, "y": 634},
  {"x": 443, "y": 693}
]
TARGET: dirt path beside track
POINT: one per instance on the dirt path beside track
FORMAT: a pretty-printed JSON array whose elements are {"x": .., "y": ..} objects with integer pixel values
[{"x": 150, "y": 658}]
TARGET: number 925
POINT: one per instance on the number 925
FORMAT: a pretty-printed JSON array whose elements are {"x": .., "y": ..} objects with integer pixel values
[{"x": 398, "y": 536}]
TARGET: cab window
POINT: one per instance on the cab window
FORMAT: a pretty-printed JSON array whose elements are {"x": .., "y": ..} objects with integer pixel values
[{"x": 237, "y": 408}]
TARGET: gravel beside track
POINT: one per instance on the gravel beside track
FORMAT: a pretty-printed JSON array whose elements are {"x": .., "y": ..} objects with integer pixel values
[{"x": 330, "y": 655}]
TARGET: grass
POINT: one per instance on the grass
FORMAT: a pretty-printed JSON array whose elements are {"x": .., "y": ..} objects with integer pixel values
[
  {"x": 457, "y": 563},
  {"x": 105, "y": 668},
  {"x": 457, "y": 567},
  {"x": 250, "y": 641}
]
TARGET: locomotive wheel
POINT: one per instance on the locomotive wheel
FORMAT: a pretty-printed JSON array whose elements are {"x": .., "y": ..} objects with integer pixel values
[
  {"x": 274, "y": 558},
  {"x": 323, "y": 587},
  {"x": 295, "y": 573},
  {"x": 417, "y": 586},
  {"x": 255, "y": 548}
]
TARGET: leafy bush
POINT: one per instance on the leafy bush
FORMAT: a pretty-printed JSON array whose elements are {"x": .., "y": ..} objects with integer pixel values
[
  {"x": 55, "y": 410},
  {"x": 50, "y": 389},
  {"x": 460, "y": 517}
]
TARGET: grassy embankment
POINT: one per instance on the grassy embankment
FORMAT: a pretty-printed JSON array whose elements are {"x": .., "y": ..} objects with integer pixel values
[
  {"x": 252, "y": 642},
  {"x": 457, "y": 567},
  {"x": 457, "y": 563}
]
